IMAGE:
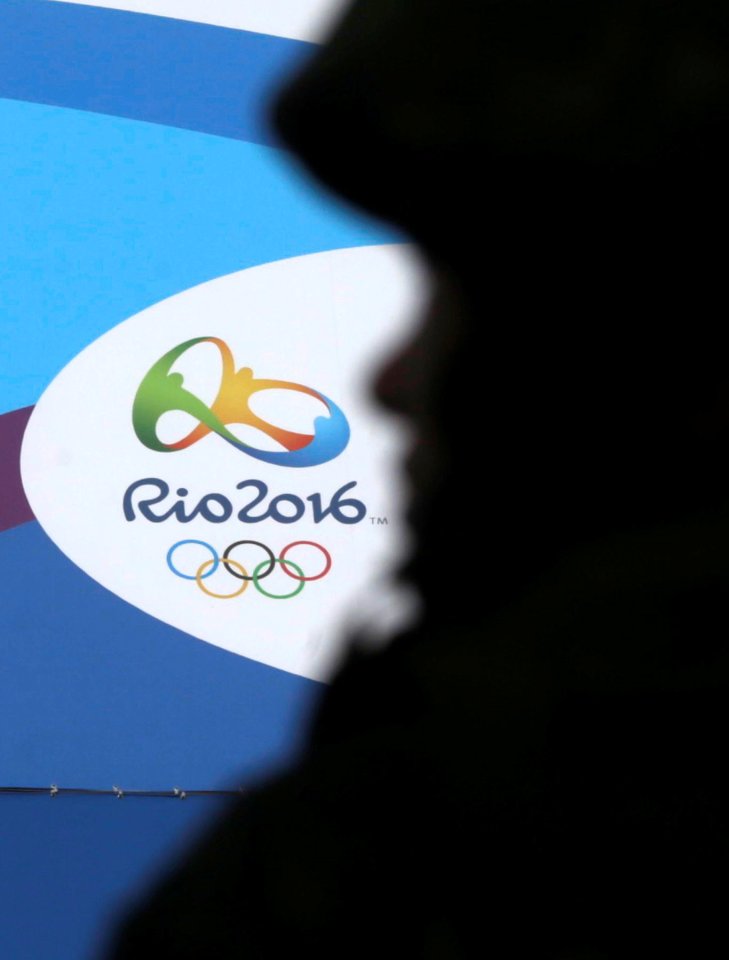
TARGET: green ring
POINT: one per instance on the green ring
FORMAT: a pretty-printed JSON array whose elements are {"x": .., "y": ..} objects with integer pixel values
[{"x": 278, "y": 596}]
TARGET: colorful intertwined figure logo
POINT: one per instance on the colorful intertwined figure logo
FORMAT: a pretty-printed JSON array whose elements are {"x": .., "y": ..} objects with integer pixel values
[{"x": 162, "y": 391}]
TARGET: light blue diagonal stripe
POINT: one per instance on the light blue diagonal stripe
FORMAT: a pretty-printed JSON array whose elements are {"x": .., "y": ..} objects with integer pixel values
[{"x": 101, "y": 217}]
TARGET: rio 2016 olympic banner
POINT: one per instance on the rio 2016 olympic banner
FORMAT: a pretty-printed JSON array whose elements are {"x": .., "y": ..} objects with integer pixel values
[
  {"x": 242, "y": 502},
  {"x": 199, "y": 499}
]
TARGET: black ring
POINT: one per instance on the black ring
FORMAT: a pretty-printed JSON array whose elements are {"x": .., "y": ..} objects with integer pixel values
[{"x": 256, "y": 543}]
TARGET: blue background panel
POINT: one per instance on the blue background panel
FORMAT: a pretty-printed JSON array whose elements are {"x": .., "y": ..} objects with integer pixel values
[
  {"x": 72, "y": 866},
  {"x": 101, "y": 217}
]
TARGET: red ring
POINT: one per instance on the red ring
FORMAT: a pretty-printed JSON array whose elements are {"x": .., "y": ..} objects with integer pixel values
[{"x": 306, "y": 543}]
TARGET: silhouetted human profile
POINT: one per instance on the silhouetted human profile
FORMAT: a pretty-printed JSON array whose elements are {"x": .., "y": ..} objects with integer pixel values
[{"x": 535, "y": 769}]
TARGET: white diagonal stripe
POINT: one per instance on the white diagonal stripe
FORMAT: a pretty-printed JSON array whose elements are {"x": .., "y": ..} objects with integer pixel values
[{"x": 297, "y": 19}]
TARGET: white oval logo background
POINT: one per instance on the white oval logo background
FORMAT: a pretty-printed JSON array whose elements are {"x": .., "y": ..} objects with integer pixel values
[{"x": 322, "y": 320}]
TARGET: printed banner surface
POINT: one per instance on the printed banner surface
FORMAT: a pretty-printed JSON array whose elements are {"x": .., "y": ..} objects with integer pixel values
[
  {"x": 214, "y": 460},
  {"x": 197, "y": 493}
]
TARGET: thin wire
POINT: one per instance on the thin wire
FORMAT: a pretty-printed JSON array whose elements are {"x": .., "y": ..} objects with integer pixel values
[{"x": 175, "y": 794}]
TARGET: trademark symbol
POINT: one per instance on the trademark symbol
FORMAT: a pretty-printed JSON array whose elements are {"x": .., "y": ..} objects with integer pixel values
[{"x": 379, "y": 521}]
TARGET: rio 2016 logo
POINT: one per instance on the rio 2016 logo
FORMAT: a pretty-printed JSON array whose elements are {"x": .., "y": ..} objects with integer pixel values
[{"x": 162, "y": 391}]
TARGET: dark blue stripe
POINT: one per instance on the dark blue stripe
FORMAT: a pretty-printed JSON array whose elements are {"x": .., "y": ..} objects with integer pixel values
[
  {"x": 181, "y": 74},
  {"x": 69, "y": 866}
]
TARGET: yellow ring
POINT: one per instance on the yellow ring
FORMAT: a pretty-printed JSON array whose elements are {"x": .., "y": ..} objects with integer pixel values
[{"x": 221, "y": 596}]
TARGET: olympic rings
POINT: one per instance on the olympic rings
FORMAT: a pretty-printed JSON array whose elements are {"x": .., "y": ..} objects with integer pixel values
[
  {"x": 306, "y": 543},
  {"x": 260, "y": 571},
  {"x": 281, "y": 596},
  {"x": 199, "y": 576},
  {"x": 185, "y": 576},
  {"x": 256, "y": 543}
]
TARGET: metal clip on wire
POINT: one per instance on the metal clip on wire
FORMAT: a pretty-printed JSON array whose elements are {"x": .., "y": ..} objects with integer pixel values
[
  {"x": 180, "y": 793},
  {"x": 118, "y": 792},
  {"x": 54, "y": 790}
]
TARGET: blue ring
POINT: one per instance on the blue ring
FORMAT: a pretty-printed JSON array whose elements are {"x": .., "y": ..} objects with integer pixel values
[{"x": 185, "y": 576}]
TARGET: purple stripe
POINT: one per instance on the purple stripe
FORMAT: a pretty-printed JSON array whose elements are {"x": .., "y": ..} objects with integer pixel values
[{"x": 14, "y": 507}]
